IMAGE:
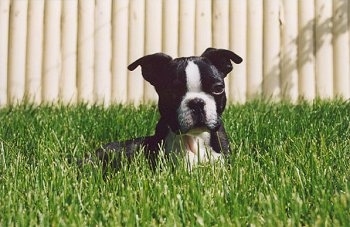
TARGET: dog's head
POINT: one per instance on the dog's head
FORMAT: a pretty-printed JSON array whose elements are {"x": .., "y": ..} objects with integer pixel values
[{"x": 191, "y": 90}]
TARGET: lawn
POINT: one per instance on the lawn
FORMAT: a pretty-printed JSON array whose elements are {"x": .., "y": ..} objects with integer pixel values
[{"x": 289, "y": 166}]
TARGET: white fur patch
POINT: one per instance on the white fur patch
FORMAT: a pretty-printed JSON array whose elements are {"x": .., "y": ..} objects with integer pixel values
[
  {"x": 184, "y": 112},
  {"x": 193, "y": 77},
  {"x": 195, "y": 148}
]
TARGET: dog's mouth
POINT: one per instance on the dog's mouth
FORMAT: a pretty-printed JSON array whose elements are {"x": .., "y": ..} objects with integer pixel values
[
  {"x": 197, "y": 124},
  {"x": 196, "y": 129}
]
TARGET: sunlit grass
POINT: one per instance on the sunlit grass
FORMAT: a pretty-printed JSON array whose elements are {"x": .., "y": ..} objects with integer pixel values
[{"x": 289, "y": 166}]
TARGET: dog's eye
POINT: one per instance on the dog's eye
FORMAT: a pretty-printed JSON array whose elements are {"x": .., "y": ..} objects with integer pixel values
[{"x": 218, "y": 89}]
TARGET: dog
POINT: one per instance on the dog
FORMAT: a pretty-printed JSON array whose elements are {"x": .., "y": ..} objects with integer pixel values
[{"x": 191, "y": 101}]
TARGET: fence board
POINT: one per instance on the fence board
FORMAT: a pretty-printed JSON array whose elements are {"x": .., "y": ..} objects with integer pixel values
[
  {"x": 17, "y": 50},
  {"x": 306, "y": 57},
  {"x": 86, "y": 50},
  {"x": 238, "y": 43},
  {"x": 186, "y": 27},
  {"x": 68, "y": 87},
  {"x": 289, "y": 49},
  {"x": 254, "y": 59},
  {"x": 324, "y": 49},
  {"x": 4, "y": 30},
  {"x": 271, "y": 42},
  {"x": 136, "y": 48},
  {"x": 171, "y": 27},
  {"x": 203, "y": 28},
  {"x": 120, "y": 51},
  {"x": 103, "y": 53},
  {"x": 52, "y": 51},
  {"x": 34, "y": 48},
  {"x": 341, "y": 43}
]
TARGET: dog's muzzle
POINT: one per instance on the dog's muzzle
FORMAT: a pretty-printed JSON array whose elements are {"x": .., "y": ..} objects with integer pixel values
[{"x": 197, "y": 111}]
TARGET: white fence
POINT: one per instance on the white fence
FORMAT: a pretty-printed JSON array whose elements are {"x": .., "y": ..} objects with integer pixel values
[{"x": 78, "y": 50}]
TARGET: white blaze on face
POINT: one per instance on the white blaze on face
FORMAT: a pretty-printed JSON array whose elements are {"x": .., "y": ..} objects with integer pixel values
[
  {"x": 193, "y": 75},
  {"x": 194, "y": 90}
]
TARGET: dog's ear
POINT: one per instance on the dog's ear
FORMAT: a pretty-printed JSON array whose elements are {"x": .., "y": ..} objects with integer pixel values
[
  {"x": 152, "y": 66},
  {"x": 221, "y": 59}
]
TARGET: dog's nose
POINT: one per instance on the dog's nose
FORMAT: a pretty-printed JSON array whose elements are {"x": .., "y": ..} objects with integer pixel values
[{"x": 196, "y": 104}]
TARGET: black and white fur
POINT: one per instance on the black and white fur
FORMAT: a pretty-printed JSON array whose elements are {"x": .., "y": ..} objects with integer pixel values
[{"x": 192, "y": 98}]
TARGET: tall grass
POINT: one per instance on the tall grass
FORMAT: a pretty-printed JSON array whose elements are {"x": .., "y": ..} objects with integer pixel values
[{"x": 289, "y": 166}]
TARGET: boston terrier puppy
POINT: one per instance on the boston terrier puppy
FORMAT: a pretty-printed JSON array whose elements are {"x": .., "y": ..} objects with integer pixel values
[{"x": 192, "y": 98}]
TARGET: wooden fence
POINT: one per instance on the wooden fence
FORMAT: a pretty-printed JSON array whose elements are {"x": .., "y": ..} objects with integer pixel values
[{"x": 78, "y": 50}]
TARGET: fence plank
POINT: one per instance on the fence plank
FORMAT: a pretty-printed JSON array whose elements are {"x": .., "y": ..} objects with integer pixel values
[
  {"x": 52, "y": 51},
  {"x": 340, "y": 43},
  {"x": 153, "y": 39},
  {"x": 170, "y": 27},
  {"x": 289, "y": 49},
  {"x": 238, "y": 43},
  {"x": 254, "y": 48},
  {"x": 34, "y": 50},
  {"x": 306, "y": 57},
  {"x": 86, "y": 48},
  {"x": 102, "y": 54},
  {"x": 324, "y": 49},
  {"x": 272, "y": 42},
  {"x": 4, "y": 31},
  {"x": 186, "y": 27},
  {"x": 68, "y": 87},
  {"x": 120, "y": 51},
  {"x": 136, "y": 48},
  {"x": 17, "y": 50},
  {"x": 203, "y": 31}
]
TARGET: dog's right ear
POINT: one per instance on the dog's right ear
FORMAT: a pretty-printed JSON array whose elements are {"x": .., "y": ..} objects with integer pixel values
[{"x": 152, "y": 66}]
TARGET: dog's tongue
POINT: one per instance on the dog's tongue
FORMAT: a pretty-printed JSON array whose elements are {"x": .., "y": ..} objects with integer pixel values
[{"x": 190, "y": 144}]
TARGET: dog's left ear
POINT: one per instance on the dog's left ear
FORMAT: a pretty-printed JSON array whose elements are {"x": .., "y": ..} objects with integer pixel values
[
  {"x": 152, "y": 66},
  {"x": 221, "y": 59}
]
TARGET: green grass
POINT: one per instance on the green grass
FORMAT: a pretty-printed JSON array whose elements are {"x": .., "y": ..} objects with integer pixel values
[{"x": 289, "y": 166}]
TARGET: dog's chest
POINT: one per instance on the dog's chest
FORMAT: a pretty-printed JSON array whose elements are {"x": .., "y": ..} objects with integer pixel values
[{"x": 195, "y": 148}]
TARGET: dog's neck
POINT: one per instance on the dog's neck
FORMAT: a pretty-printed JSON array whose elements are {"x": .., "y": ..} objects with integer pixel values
[{"x": 194, "y": 146}]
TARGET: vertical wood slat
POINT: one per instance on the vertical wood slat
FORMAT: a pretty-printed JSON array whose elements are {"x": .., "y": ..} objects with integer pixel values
[
  {"x": 102, "y": 52},
  {"x": 203, "y": 32},
  {"x": 271, "y": 43},
  {"x": 306, "y": 57},
  {"x": 324, "y": 49},
  {"x": 153, "y": 39},
  {"x": 120, "y": 51},
  {"x": 340, "y": 43},
  {"x": 17, "y": 51},
  {"x": 187, "y": 27},
  {"x": 34, "y": 50},
  {"x": 220, "y": 24},
  {"x": 68, "y": 86},
  {"x": 136, "y": 49},
  {"x": 4, "y": 31},
  {"x": 52, "y": 51},
  {"x": 85, "y": 61},
  {"x": 238, "y": 44},
  {"x": 289, "y": 51},
  {"x": 254, "y": 61},
  {"x": 170, "y": 27}
]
